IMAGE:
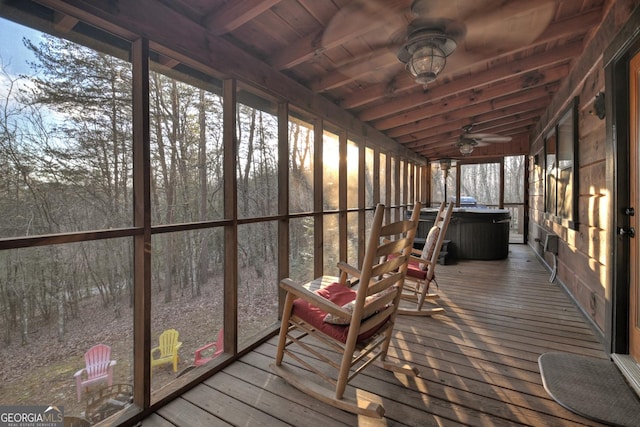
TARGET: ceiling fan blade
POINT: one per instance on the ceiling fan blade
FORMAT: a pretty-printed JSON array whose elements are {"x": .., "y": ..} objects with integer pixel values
[
  {"x": 488, "y": 137},
  {"x": 376, "y": 66},
  {"x": 378, "y": 20},
  {"x": 365, "y": 35},
  {"x": 508, "y": 27},
  {"x": 482, "y": 144},
  {"x": 457, "y": 10},
  {"x": 461, "y": 59}
]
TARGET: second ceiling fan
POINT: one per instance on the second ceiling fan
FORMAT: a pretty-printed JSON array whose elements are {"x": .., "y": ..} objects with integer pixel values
[{"x": 468, "y": 140}]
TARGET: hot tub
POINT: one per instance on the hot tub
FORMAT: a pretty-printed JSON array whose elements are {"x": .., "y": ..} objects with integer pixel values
[{"x": 475, "y": 233}]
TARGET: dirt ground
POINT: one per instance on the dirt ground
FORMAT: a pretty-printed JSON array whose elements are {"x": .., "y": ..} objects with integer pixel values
[{"x": 42, "y": 372}]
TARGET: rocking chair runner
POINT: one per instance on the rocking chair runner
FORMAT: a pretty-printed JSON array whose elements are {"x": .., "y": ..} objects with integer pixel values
[
  {"x": 352, "y": 315},
  {"x": 422, "y": 267}
]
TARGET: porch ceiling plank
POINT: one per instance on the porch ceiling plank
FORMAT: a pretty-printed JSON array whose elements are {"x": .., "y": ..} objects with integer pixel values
[
  {"x": 518, "y": 145},
  {"x": 464, "y": 116},
  {"x": 315, "y": 43},
  {"x": 451, "y": 129},
  {"x": 328, "y": 56},
  {"x": 459, "y": 91},
  {"x": 185, "y": 7},
  {"x": 361, "y": 67},
  {"x": 569, "y": 27},
  {"x": 235, "y": 14},
  {"x": 499, "y": 96},
  {"x": 592, "y": 57},
  {"x": 64, "y": 23},
  {"x": 444, "y": 140}
]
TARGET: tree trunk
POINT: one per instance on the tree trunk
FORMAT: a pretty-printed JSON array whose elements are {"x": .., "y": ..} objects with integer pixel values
[
  {"x": 203, "y": 264},
  {"x": 24, "y": 319},
  {"x": 61, "y": 313}
]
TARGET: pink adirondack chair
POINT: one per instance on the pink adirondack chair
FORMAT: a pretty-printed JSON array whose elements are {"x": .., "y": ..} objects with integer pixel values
[
  {"x": 99, "y": 368},
  {"x": 199, "y": 359}
]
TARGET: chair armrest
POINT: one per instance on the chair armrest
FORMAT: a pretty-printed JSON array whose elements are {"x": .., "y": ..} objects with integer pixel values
[
  {"x": 418, "y": 259},
  {"x": 155, "y": 349},
  {"x": 343, "y": 266},
  {"x": 205, "y": 347},
  {"x": 77, "y": 374},
  {"x": 112, "y": 363},
  {"x": 178, "y": 345},
  {"x": 314, "y": 299}
]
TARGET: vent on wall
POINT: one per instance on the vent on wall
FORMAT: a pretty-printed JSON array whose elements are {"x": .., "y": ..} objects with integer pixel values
[{"x": 551, "y": 244}]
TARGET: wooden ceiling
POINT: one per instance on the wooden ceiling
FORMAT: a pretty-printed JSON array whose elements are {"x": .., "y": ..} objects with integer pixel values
[{"x": 511, "y": 59}]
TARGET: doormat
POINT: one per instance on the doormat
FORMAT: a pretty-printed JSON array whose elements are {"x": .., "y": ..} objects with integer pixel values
[{"x": 591, "y": 387}]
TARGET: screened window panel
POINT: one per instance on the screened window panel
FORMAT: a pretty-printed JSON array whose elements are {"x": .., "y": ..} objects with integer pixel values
[
  {"x": 301, "y": 149},
  {"x": 186, "y": 148},
  {"x": 257, "y": 156},
  {"x": 330, "y": 170}
]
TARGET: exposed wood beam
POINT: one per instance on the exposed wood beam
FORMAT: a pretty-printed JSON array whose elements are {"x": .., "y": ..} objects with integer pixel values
[
  {"x": 236, "y": 13},
  {"x": 473, "y": 114},
  {"x": 507, "y": 129},
  {"x": 167, "y": 61},
  {"x": 450, "y": 136},
  {"x": 518, "y": 145},
  {"x": 571, "y": 27},
  {"x": 369, "y": 65},
  {"x": 514, "y": 87},
  {"x": 64, "y": 23},
  {"x": 454, "y": 127},
  {"x": 184, "y": 8},
  {"x": 492, "y": 75}
]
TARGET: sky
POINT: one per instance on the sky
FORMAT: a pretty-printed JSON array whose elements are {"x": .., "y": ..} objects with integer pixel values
[{"x": 12, "y": 50}]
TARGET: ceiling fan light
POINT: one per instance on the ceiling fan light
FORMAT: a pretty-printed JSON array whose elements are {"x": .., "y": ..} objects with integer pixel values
[
  {"x": 466, "y": 148},
  {"x": 426, "y": 63}
]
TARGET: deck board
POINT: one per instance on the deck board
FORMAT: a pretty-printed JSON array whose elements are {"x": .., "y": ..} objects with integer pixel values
[{"x": 477, "y": 361}]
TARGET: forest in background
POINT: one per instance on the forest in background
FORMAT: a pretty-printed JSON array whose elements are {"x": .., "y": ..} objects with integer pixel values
[{"x": 66, "y": 158}]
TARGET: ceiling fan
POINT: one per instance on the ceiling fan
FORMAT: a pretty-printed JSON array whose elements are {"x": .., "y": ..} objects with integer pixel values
[
  {"x": 468, "y": 140},
  {"x": 426, "y": 35}
]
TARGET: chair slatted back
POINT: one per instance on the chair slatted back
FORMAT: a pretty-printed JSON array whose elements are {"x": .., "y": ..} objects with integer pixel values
[
  {"x": 442, "y": 222},
  {"x": 167, "y": 342},
  {"x": 381, "y": 274},
  {"x": 97, "y": 360}
]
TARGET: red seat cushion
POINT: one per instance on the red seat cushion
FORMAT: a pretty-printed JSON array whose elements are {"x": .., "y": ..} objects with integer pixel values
[
  {"x": 414, "y": 270},
  {"x": 338, "y": 294}
]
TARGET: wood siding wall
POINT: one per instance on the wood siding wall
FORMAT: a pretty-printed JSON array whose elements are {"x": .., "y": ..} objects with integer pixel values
[{"x": 584, "y": 254}]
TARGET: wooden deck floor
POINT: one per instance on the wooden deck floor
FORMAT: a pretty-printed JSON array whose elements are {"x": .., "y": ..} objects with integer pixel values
[{"x": 477, "y": 361}]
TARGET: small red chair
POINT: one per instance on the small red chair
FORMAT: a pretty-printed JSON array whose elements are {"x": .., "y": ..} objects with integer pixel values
[
  {"x": 99, "y": 368},
  {"x": 218, "y": 347}
]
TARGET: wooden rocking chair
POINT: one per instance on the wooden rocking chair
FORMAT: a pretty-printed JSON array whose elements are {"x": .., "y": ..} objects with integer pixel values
[
  {"x": 351, "y": 317},
  {"x": 421, "y": 270}
]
